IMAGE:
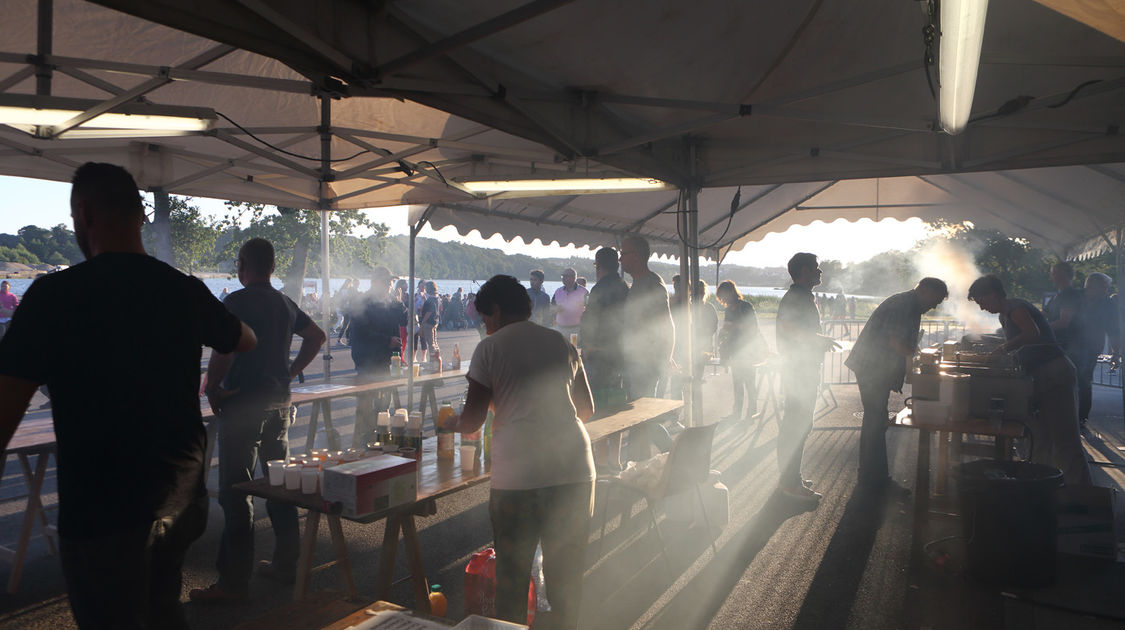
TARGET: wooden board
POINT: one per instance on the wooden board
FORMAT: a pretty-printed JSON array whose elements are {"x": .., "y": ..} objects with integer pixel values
[{"x": 638, "y": 412}]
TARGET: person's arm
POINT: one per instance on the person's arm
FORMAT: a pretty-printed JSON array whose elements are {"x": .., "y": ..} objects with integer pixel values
[
  {"x": 1029, "y": 331},
  {"x": 312, "y": 338},
  {"x": 1066, "y": 314},
  {"x": 581, "y": 396},
  {"x": 217, "y": 369},
  {"x": 472, "y": 417},
  {"x": 247, "y": 340},
  {"x": 15, "y": 395}
]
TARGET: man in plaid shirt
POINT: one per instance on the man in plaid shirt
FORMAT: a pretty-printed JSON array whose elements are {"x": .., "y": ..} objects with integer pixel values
[{"x": 879, "y": 359}]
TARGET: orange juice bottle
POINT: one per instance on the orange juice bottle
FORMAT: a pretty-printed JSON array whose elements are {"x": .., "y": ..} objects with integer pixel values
[{"x": 438, "y": 605}]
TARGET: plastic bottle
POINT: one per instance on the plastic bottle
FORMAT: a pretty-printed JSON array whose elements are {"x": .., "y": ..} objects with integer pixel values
[
  {"x": 398, "y": 428},
  {"x": 396, "y": 365},
  {"x": 414, "y": 433},
  {"x": 437, "y": 360},
  {"x": 438, "y": 605},
  {"x": 383, "y": 427},
  {"x": 456, "y": 356},
  {"x": 445, "y": 441}
]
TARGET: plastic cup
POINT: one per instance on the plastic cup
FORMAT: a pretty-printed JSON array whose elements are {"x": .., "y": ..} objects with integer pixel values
[
  {"x": 309, "y": 478},
  {"x": 417, "y": 370},
  {"x": 468, "y": 457},
  {"x": 292, "y": 477},
  {"x": 574, "y": 339},
  {"x": 276, "y": 469}
]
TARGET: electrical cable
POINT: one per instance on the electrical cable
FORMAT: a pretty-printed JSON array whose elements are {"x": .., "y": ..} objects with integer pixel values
[
  {"x": 289, "y": 153},
  {"x": 733, "y": 208},
  {"x": 1073, "y": 93}
]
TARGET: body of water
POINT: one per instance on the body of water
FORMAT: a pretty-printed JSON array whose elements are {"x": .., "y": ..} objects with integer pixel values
[{"x": 444, "y": 286}]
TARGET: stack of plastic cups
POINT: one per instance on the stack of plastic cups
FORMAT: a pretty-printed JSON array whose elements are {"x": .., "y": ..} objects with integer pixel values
[
  {"x": 276, "y": 470},
  {"x": 310, "y": 475},
  {"x": 414, "y": 433},
  {"x": 292, "y": 476}
]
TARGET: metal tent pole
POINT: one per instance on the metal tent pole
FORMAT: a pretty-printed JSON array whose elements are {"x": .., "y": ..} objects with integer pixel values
[
  {"x": 1120, "y": 252},
  {"x": 414, "y": 230},
  {"x": 325, "y": 209},
  {"x": 693, "y": 261},
  {"x": 44, "y": 42},
  {"x": 684, "y": 337}
]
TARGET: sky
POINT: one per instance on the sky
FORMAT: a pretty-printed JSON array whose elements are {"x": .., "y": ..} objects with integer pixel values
[{"x": 26, "y": 201}]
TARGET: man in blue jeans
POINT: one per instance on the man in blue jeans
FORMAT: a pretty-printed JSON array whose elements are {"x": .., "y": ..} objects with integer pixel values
[{"x": 249, "y": 393}]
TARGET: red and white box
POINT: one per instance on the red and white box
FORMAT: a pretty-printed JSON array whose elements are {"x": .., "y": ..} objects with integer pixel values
[{"x": 371, "y": 484}]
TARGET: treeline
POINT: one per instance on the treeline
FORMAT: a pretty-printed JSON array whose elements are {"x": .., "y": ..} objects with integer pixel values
[{"x": 33, "y": 245}]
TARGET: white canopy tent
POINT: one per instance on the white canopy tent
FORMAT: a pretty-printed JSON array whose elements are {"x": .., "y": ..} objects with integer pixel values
[{"x": 790, "y": 100}]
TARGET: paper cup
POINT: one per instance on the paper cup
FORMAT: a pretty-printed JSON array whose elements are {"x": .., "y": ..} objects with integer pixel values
[
  {"x": 277, "y": 472},
  {"x": 292, "y": 477},
  {"x": 308, "y": 480},
  {"x": 468, "y": 457}
]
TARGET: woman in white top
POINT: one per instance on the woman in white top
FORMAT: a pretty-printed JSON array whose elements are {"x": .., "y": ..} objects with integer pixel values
[{"x": 542, "y": 466}]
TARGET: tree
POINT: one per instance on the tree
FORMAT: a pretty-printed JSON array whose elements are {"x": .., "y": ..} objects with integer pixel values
[
  {"x": 295, "y": 235},
  {"x": 18, "y": 254},
  {"x": 193, "y": 237}
]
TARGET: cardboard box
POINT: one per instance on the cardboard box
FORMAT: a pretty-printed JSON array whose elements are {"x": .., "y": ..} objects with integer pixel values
[
  {"x": 371, "y": 484},
  {"x": 1085, "y": 521}
]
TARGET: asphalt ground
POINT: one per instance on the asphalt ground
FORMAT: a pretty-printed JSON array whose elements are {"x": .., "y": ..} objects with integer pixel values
[{"x": 779, "y": 564}]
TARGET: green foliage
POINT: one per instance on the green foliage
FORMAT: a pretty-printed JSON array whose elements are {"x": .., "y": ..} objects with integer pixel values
[
  {"x": 18, "y": 254},
  {"x": 287, "y": 228},
  {"x": 193, "y": 236},
  {"x": 43, "y": 242}
]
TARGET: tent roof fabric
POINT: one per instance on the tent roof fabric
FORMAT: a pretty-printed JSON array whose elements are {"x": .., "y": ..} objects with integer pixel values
[{"x": 818, "y": 110}]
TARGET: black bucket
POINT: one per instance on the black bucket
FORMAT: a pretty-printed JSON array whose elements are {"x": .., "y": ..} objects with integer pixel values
[{"x": 1010, "y": 523}]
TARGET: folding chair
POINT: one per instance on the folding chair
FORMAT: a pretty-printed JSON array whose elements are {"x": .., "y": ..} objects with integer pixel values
[{"x": 688, "y": 466}]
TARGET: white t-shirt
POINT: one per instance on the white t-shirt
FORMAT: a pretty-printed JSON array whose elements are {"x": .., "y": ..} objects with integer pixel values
[{"x": 537, "y": 438}]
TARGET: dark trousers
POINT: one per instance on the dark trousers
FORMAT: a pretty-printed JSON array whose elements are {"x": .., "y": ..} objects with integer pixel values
[
  {"x": 874, "y": 390},
  {"x": 744, "y": 379},
  {"x": 245, "y": 436},
  {"x": 132, "y": 578},
  {"x": 1085, "y": 369},
  {"x": 799, "y": 386},
  {"x": 559, "y": 518}
]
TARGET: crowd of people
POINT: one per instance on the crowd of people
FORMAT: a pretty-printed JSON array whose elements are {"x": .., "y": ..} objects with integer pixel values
[{"x": 543, "y": 365}]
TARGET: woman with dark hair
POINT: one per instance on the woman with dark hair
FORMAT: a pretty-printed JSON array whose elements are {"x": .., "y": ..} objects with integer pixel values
[
  {"x": 542, "y": 466},
  {"x": 741, "y": 346},
  {"x": 1054, "y": 423}
]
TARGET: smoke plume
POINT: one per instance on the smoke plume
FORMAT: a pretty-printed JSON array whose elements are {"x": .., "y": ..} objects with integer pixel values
[{"x": 957, "y": 267}]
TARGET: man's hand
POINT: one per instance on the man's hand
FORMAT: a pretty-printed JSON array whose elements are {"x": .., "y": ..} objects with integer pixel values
[
  {"x": 396, "y": 342},
  {"x": 830, "y": 344},
  {"x": 451, "y": 422},
  {"x": 216, "y": 396}
]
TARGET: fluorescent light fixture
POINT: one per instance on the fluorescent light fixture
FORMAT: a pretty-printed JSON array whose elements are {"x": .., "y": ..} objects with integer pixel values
[
  {"x": 566, "y": 184},
  {"x": 962, "y": 32},
  {"x": 37, "y": 114}
]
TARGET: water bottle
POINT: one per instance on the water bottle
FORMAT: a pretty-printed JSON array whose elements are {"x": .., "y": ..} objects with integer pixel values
[{"x": 445, "y": 441}]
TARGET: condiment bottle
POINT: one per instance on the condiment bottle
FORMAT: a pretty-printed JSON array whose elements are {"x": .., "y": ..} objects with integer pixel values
[
  {"x": 445, "y": 441},
  {"x": 438, "y": 605}
]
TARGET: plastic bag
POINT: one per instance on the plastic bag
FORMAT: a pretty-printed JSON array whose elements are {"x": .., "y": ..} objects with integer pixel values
[{"x": 480, "y": 585}]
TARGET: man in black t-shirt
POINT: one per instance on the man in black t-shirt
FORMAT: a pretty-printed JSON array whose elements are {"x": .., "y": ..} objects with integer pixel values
[
  {"x": 376, "y": 321},
  {"x": 249, "y": 393},
  {"x": 124, "y": 385}
]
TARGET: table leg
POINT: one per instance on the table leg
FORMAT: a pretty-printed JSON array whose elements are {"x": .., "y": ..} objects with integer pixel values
[
  {"x": 921, "y": 497},
  {"x": 310, "y": 439},
  {"x": 414, "y": 559},
  {"x": 942, "y": 463},
  {"x": 34, "y": 481},
  {"x": 340, "y": 548},
  {"x": 330, "y": 433},
  {"x": 387, "y": 558},
  {"x": 305, "y": 561}
]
